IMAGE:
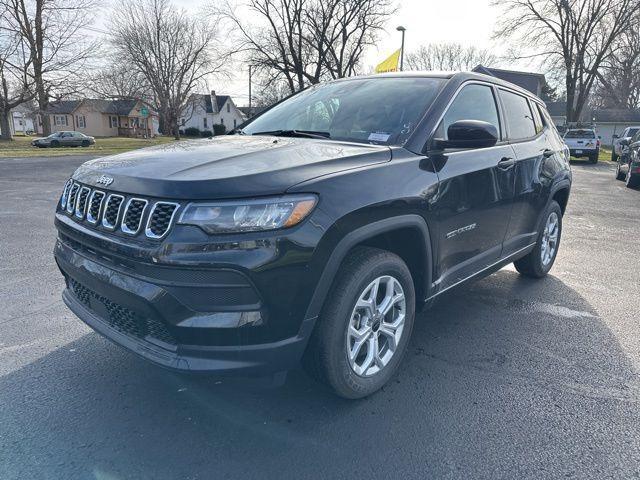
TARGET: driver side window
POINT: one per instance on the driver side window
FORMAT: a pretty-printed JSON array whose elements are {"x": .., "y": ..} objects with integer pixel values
[{"x": 474, "y": 102}]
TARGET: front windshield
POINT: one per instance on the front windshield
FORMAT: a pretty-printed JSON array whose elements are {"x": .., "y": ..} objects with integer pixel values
[{"x": 372, "y": 110}]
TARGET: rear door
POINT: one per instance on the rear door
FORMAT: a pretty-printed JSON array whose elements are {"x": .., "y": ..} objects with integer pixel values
[
  {"x": 475, "y": 191},
  {"x": 528, "y": 135}
]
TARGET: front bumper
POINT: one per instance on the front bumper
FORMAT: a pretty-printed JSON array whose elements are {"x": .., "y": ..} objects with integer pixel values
[{"x": 161, "y": 320}]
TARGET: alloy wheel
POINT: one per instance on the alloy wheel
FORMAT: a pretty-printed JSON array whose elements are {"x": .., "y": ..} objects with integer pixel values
[
  {"x": 376, "y": 325},
  {"x": 550, "y": 239}
]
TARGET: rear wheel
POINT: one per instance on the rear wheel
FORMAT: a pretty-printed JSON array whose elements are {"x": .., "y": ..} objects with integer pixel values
[
  {"x": 619, "y": 173},
  {"x": 614, "y": 157},
  {"x": 540, "y": 260},
  {"x": 631, "y": 180},
  {"x": 365, "y": 325},
  {"x": 593, "y": 158}
]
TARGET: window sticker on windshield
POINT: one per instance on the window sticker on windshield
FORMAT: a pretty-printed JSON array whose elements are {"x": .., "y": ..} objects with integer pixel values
[{"x": 379, "y": 136}]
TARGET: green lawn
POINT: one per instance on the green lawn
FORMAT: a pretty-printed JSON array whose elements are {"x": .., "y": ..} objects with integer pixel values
[{"x": 21, "y": 147}]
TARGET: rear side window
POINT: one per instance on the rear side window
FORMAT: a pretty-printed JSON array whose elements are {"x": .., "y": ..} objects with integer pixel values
[
  {"x": 474, "y": 102},
  {"x": 518, "y": 116},
  {"x": 537, "y": 117},
  {"x": 580, "y": 134}
]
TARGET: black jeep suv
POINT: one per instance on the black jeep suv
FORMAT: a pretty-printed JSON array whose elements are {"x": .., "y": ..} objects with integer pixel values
[{"x": 315, "y": 231}]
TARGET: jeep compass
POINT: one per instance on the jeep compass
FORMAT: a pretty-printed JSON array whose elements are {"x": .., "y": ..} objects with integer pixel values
[{"x": 314, "y": 233}]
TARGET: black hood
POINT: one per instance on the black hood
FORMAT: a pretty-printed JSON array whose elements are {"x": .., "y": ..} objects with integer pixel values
[{"x": 229, "y": 166}]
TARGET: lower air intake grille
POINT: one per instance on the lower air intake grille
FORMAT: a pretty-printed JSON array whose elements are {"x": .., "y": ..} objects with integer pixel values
[
  {"x": 121, "y": 318},
  {"x": 160, "y": 219}
]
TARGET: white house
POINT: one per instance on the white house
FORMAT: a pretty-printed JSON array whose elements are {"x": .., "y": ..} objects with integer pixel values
[{"x": 203, "y": 111}]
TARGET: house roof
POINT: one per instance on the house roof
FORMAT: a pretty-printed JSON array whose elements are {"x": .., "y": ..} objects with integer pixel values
[
  {"x": 557, "y": 109},
  {"x": 208, "y": 104},
  {"x": 530, "y": 81},
  {"x": 63, "y": 106},
  {"x": 113, "y": 107}
]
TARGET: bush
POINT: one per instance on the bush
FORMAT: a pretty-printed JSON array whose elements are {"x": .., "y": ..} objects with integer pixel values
[
  {"x": 192, "y": 132},
  {"x": 206, "y": 133},
  {"x": 181, "y": 131},
  {"x": 219, "y": 129}
]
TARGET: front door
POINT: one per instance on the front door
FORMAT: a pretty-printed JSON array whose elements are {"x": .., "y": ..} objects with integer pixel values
[{"x": 475, "y": 192}]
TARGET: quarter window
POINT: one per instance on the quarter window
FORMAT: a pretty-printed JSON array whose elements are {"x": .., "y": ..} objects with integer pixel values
[
  {"x": 474, "y": 102},
  {"x": 518, "y": 116}
]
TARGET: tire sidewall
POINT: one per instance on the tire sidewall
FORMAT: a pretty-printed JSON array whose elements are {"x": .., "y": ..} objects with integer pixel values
[
  {"x": 539, "y": 268},
  {"x": 346, "y": 381}
]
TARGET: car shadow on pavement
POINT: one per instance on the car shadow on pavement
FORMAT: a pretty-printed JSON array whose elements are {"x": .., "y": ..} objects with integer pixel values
[{"x": 484, "y": 364}]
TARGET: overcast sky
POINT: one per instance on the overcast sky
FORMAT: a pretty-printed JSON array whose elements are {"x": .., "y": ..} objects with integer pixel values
[{"x": 470, "y": 22}]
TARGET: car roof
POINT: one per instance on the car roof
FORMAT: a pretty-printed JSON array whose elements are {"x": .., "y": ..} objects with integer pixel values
[{"x": 459, "y": 77}]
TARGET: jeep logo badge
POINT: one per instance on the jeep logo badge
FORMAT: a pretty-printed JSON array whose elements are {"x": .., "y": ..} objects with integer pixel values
[{"x": 104, "y": 180}]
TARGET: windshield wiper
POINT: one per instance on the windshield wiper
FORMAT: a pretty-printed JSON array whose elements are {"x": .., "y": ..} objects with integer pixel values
[{"x": 295, "y": 133}]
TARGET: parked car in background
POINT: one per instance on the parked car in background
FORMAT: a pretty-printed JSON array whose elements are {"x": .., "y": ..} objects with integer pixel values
[
  {"x": 627, "y": 134},
  {"x": 628, "y": 163},
  {"x": 583, "y": 142},
  {"x": 64, "y": 139}
]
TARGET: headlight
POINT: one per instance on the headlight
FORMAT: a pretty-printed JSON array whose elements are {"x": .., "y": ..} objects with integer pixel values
[{"x": 250, "y": 215}]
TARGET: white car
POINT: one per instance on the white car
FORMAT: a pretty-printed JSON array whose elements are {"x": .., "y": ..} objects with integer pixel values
[
  {"x": 627, "y": 134},
  {"x": 583, "y": 142}
]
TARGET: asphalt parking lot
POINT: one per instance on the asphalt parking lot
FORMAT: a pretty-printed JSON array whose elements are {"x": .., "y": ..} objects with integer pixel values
[{"x": 507, "y": 378}]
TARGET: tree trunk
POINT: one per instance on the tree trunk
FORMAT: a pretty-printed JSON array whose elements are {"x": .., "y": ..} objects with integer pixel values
[{"x": 5, "y": 125}]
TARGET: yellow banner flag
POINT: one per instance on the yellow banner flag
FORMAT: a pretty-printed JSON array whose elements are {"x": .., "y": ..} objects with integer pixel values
[{"x": 390, "y": 64}]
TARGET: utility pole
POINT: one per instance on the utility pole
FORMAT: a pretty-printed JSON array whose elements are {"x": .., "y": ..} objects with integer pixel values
[
  {"x": 250, "y": 110},
  {"x": 402, "y": 30}
]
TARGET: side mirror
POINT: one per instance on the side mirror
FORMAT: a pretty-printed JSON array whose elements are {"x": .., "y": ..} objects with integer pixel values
[
  {"x": 624, "y": 141},
  {"x": 470, "y": 134}
]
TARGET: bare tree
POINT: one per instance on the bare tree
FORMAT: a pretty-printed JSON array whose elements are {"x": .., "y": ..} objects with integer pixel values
[
  {"x": 58, "y": 50},
  {"x": 618, "y": 84},
  {"x": 172, "y": 50},
  {"x": 119, "y": 80},
  {"x": 16, "y": 83},
  {"x": 448, "y": 57},
  {"x": 305, "y": 41},
  {"x": 573, "y": 35}
]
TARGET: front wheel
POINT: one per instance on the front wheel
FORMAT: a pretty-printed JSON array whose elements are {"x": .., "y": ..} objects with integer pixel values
[
  {"x": 539, "y": 261},
  {"x": 365, "y": 324},
  {"x": 85, "y": 143},
  {"x": 631, "y": 179}
]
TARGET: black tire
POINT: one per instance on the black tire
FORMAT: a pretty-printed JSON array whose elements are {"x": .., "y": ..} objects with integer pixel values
[
  {"x": 326, "y": 356},
  {"x": 632, "y": 180},
  {"x": 85, "y": 143},
  {"x": 614, "y": 157},
  {"x": 532, "y": 265},
  {"x": 619, "y": 174},
  {"x": 55, "y": 144}
]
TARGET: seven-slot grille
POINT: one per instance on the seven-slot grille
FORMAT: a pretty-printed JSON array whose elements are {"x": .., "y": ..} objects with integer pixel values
[{"x": 112, "y": 211}]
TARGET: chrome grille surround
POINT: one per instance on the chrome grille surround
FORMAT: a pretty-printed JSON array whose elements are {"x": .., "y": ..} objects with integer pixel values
[
  {"x": 117, "y": 200},
  {"x": 140, "y": 205},
  {"x": 73, "y": 196},
  {"x": 94, "y": 209},
  {"x": 118, "y": 213},
  {"x": 81, "y": 203},
  {"x": 65, "y": 194},
  {"x": 156, "y": 216}
]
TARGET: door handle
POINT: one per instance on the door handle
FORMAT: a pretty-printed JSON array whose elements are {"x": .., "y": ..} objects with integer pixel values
[
  {"x": 547, "y": 153},
  {"x": 506, "y": 163}
]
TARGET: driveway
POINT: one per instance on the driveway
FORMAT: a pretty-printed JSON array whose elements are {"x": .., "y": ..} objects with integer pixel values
[{"x": 507, "y": 378}]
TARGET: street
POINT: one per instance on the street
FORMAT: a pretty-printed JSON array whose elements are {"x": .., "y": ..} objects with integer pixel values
[{"x": 506, "y": 378}]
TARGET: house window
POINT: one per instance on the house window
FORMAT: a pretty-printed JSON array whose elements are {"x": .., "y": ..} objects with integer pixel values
[
  {"x": 228, "y": 107},
  {"x": 205, "y": 122},
  {"x": 81, "y": 121},
  {"x": 60, "y": 120},
  {"x": 113, "y": 122},
  {"x": 235, "y": 123},
  {"x": 222, "y": 121}
]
